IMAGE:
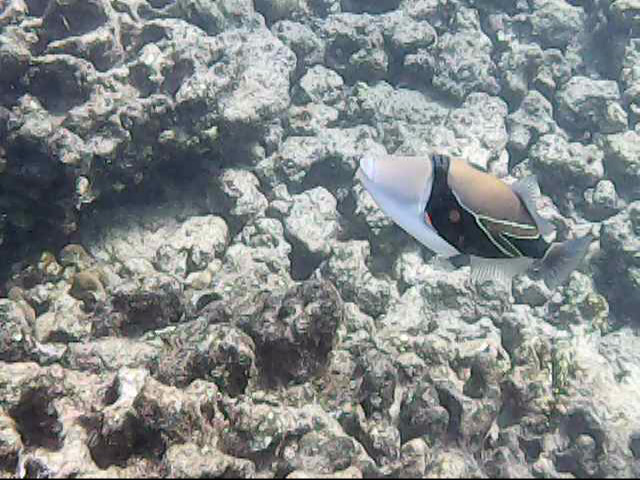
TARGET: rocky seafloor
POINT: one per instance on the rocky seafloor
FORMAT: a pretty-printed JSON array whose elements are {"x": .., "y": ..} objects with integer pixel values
[{"x": 194, "y": 285}]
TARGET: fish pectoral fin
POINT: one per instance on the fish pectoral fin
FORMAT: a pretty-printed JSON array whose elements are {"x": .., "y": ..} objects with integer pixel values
[
  {"x": 500, "y": 270},
  {"x": 528, "y": 190}
]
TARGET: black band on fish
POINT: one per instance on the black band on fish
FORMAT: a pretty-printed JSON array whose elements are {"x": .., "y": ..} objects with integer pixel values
[{"x": 469, "y": 233}]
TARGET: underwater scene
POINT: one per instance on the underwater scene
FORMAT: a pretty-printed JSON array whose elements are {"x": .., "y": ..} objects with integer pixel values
[{"x": 320, "y": 238}]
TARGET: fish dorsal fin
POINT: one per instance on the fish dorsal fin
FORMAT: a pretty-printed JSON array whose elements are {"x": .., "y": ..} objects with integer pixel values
[
  {"x": 501, "y": 270},
  {"x": 528, "y": 191}
]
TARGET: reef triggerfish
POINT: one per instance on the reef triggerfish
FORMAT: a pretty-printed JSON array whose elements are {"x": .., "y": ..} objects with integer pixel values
[{"x": 458, "y": 211}]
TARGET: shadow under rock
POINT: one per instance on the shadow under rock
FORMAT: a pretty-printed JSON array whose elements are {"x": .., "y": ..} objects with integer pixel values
[{"x": 185, "y": 181}]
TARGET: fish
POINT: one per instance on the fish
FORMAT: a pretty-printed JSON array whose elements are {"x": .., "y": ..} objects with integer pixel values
[{"x": 460, "y": 212}]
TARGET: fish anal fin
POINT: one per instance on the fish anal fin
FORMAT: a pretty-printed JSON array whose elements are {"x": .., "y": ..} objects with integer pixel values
[{"x": 500, "y": 270}]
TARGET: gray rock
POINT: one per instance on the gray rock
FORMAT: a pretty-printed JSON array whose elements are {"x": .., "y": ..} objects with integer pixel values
[
  {"x": 481, "y": 118},
  {"x": 312, "y": 119},
  {"x": 189, "y": 459},
  {"x": 630, "y": 74},
  {"x": 622, "y": 161},
  {"x": 557, "y": 23},
  {"x": 134, "y": 313},
  {"x": 351, "y": 472},
  {"x": 193, "y": 245},
  {"x": 399, "y": 115},
  {"x": 42, "y": 397},
  {"x": 75, "y": 74},
  {"x": 379, "y": 382},
  {"x": 313, "y": 221},
  {"x": 304, "y": 42},
  {"x": 625, "y": 13},
  {"x": 451, "y": 463},
  {"x": 347, "y": 269},
  {"x": 586, "y": 104},
  {"x": 382, "y": 441},
  {"x": 263, "y": 90},
  {"x": 406, "y": 35},
  {"x": 556, "y": 70},
  {"x": 64, "y": 325},
  {"x": 619, "y": 264},
  {"x": 215, "y": 17},
  {"x": 414, "y": 457},
  {"x": 258, "y": 261},
  {"x": 265, "y": 237},
  {"x": 360, "y": 6},
  {"x": 218, "y": 353},
  {"x": 175, "y": 247},
  {"x": 533, "y": 119},
  {"x": 14, "y": 12},
  {"x": 579, "y": 166},
  {"x": 334, "y": 149},
  {"x": 293, "y": 332},
  {"x": 257, "y": 426},
  {"x": 530, "y": 292},
  {"x": 274, "y": 10},
  {"x": 528, "y": 342},
  {"x": 10, "y": 443},
  {"x": 320, "y": 85},
  {"x": 101, "y": 47},
  {"x": 108, "y": 354},
  {"x": 355, "y": 47},
  {"x": 580, "y": 304},
  {"x": 586, "y": 428},
  {"x": 422, "y": 416},
  {"x": 462, "y": 59},
  {"x": 15, "y": 46},
  {"x": 507, "y": 458},
  {"x": 518, "y": 64},
  {"x": 16, "y": 340},
  {"x": 441, "y": 292},
  {"x": 242, "y": 192},
  {"x": 602, "y": 200},
  {"x": 323, "y": 8},
  {"x": 325, "y": 455},
  {"x": 94, "y": 12},
  {"x": 139, "y": 406},
  {"x": 122, "y": 105}
]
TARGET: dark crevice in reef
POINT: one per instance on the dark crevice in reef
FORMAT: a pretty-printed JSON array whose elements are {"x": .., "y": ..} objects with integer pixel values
[
  {"x": 610, "y": 280},
  {"x": 532, "y": 449},
  {"x": 34, "y": 216},
  {"x": 132, "y": 439},
  {"x": 48, "y": 210},
  {"x": 303, "y": 262},
  {"x": 367, "y": 6},
  {"x": 37, "y": 421},
  {"x": 476, "y": 385},
  {"x": 454, "y": 407},
  {"x": 137, "y": 313},
  {"x": 36, "y": 7},
  {"x": 511, "y": 410},
  {"x": 44, "y": 189}
]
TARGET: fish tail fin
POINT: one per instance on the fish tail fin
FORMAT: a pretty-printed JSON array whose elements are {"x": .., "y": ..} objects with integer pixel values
[{"x": 562, "y": 258}]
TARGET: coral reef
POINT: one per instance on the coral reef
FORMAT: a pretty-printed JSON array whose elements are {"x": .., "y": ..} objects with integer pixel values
[{"x": 193, "y": 284}]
